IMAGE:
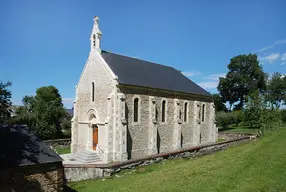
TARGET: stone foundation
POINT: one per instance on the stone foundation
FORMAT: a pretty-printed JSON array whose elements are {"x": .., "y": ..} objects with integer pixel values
[
  {"x": 58, "y": 143},
  {"x": 44, "y": 177},
  {"x": 78, "y": 172}
]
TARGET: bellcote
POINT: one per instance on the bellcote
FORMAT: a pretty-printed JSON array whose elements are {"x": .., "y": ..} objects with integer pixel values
[{"x": 95, "y": 36}]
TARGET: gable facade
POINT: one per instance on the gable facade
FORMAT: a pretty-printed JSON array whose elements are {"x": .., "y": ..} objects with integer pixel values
[{"x": 134, "y": 121}]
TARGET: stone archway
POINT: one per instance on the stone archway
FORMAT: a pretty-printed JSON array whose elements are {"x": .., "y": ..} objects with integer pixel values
[{"x": 93, "y": 130}]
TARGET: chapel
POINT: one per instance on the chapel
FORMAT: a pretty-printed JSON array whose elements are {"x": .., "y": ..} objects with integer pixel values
[{"x": 128, "y": 108}]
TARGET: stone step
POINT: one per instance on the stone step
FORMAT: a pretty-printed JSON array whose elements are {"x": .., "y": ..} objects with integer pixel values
[{"x": 86, "y": 156}]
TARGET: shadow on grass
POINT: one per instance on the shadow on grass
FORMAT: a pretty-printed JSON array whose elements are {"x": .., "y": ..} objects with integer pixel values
[
  {"x": 221, "y": 129},
  {"x": 68, "y": 189}
]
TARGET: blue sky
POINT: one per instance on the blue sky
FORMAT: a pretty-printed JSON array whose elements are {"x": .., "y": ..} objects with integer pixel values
[{"x": 47, "y": 42}]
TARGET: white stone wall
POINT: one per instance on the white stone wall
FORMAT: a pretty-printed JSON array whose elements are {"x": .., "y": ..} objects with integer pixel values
[{"x": 95, "y": 71}]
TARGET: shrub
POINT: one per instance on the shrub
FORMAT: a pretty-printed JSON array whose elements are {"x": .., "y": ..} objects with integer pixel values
[
  {"x": 270, "y": 119},
  {"x": 67, "y": 133},
  {"x": 224, "y": 119},
  {"x": 283, "y": 115},
  {"x": 237, "y": 117}
]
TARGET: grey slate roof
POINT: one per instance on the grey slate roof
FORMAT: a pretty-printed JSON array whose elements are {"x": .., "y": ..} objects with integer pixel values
[
  {"x": 131, "y": 71},
  {"x": 20, "y": 147}
]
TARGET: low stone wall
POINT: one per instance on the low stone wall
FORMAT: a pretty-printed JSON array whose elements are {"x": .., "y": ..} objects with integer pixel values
[
  {"x": 43, "y": 177},
  {"x": 230, "y": 136},
  {"x": 78, "y": 172},
  {"x": 58, "y": 142}
]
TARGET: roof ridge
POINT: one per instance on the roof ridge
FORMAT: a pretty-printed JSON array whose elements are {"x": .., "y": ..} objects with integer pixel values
[{"x": 139, "y": 59}]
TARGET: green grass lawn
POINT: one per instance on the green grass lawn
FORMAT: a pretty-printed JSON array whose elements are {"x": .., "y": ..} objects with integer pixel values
[
  {"x": 255, "y": 166},
  {"x": 62, "y": 150}
]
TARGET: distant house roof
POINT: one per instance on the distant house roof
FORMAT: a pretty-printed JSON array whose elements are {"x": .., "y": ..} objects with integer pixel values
[
  {"x": 131, "y": 71},
  {"x": 12, "y": 110},
  {"x": 70, "y": 111},
  {"x": 20, "y": 147}
]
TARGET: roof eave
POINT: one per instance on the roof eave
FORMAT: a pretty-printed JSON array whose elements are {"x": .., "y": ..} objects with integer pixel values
[{"x": 166, "y": 90}]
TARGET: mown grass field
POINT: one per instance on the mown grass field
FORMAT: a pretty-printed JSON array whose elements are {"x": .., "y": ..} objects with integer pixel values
[
  {"x": 62, "y": 150},
  {"x": 256, "y": 166}
]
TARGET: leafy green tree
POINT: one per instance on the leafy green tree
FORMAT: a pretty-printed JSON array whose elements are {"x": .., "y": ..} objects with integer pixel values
[
  {"x": 244, "y": 76},
  {"x": 237, "y": 116},
  {"x": 276, "y": 90},
  {"x": 257, "y": 113},
  {"x": 5, "y": 94},
  {"x": 219, "y": 105},
  {"x": 43, "y": 112},
  {"x": 254, "y": 109},
  {"x": 5, "y": 102},
  {"x": 284, "y": 81}
]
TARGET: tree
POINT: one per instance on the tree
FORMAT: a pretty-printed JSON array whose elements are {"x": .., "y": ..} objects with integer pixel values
[
  {"x": 43, "y": 112},
  {"x": 5, "y": 102},
  {"x": 276, "y": 90},
  {"x": 244, "y": 76},
  {"x": 254, "y": 109},
  {"x": 284, "y": 81},
  {"x": 5, "y": 94},
  {"x": 219, "y": 105},
  {"x": 257, "y": 113}
]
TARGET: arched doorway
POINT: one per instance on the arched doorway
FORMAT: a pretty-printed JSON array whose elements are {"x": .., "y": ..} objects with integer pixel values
[
  {"x": 93, "y": 132},
  {"x": 94, "y": 136}
]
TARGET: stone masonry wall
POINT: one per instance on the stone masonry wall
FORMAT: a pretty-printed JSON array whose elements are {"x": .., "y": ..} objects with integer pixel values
[
  {"x": 138, "y": 133},
  {"x": 187, "y": 131},
  {"x": 165, "y": 129},
  {"x": 44, "y": 177},
  {"x": 58, "y": 142}
]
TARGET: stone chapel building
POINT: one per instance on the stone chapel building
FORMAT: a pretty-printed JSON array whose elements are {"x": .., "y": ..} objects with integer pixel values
[{"x": 129, "y": 108}]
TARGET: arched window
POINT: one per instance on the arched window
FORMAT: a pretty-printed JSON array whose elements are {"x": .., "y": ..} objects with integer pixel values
[
  {"x": 203, "y": 113},
  {"x": 92, "y": 91},
  {"x": 163, "y": 110},
  {"x": 94, "y": 40},
  {"x": 136, "y": 100},
  {"x": 199, "y": 109},
  {"x": 185, "y": 112}
]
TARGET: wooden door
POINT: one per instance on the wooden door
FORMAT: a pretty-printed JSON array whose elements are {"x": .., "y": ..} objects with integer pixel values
[{"x": 95, "y": 137}]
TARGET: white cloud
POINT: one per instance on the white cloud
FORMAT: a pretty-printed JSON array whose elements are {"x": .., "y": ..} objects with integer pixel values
[
  {"x": 275, "y": 43},
  {"x": 212, "y": 82},
  {"x": 216, "y": 76},
  {"x": 264, "y": 49},
  {"x": 190, "y": 73},
  {"x": 17, "y": 102},
  {"x": 68, "y": 102},
  {"x": 208, "y": 84},
  {"x": 67, "y": 99},
  {"x": 283, "y": 41},
  {"x": 270, "y": 58},
  {"x": 283, "y": 57}
]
